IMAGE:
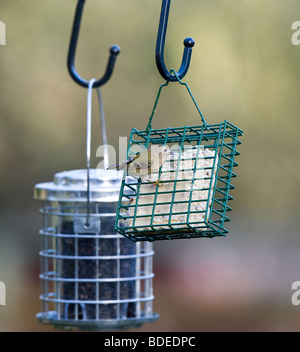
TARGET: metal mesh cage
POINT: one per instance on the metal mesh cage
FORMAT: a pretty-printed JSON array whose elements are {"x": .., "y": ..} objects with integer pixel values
[
  {"x": 188, "y": 197},
  {"x": 92, "y": 277}
]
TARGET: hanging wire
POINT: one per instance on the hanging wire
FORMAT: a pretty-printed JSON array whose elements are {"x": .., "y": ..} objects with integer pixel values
[
  {"x": 103, "y": 128},
  {"x": 89, "y": 138},
  {"x": 191, "y": 95},
  {"x": 149, "y": 126},
  {"x": 88, "y": 145}
]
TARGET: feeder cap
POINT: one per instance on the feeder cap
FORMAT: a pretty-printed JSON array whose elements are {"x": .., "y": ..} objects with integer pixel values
[{"x": 71, "y": 186}]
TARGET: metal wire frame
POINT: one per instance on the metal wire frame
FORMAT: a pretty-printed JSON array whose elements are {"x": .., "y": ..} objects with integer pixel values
[
  {"x": 221, "y": 138},
  {"x": 62, "y": 249}
]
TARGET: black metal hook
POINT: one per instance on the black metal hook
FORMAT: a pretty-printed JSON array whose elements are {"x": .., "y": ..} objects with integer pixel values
[
  {"x": 160, "y": 45},
  {"x": 114, "y": 51}
]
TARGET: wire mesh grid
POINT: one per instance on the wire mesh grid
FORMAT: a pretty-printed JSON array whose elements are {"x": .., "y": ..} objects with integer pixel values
[
  {"x": 96, "y": 279},
  {"x": 188, "y": 197}
]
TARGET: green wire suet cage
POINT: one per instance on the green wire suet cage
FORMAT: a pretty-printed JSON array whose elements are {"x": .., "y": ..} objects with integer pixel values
[{"x": 188, "y": 196}]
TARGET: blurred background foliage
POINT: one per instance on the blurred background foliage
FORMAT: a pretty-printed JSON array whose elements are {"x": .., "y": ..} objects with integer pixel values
[{"x": 244, "y": 69}]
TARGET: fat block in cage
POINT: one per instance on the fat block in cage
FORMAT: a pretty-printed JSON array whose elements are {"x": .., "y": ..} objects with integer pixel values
[
  {"x": 92, "y": 277},
  {"x": 188, "y": 197},
  {"x": 192, "y": 169}
]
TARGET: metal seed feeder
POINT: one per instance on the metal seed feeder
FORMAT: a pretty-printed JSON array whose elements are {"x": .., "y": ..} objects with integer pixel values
[{"x": 92, "y": 277}]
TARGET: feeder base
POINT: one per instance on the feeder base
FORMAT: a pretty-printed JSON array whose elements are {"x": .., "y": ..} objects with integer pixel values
[
  {"x": 151, "y": 236},
  {"x": 92, "y": 325}
]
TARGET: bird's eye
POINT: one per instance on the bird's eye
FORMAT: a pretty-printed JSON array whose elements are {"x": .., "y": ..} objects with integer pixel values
[{"x": 165, "y": 150}]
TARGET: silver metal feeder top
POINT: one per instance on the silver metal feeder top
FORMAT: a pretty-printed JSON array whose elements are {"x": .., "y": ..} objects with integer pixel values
[{"x": 71, "y": 186}]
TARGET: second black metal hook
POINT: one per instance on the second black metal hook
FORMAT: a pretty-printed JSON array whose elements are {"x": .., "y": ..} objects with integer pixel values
[
  {"x": 160, "y": 45},
  {"x": 114, "y": 51}
]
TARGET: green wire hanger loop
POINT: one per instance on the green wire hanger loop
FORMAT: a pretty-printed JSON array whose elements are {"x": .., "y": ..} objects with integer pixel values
[{"x": 149, "y": 126}]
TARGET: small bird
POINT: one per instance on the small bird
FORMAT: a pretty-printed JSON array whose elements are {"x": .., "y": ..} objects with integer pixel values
[{"x": 146, "y": 162}]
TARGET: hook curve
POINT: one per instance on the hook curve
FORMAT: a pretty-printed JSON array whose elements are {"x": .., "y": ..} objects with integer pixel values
[
  {"x": 114, "y": 51},
  {"x": 160, "y": 45}
]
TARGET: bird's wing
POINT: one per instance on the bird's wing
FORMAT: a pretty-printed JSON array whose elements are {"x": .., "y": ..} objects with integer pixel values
[{"x": 124, "y": 164}]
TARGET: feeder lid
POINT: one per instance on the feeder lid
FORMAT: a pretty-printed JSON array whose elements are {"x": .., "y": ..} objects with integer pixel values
[{"x": 72, "y": 186}]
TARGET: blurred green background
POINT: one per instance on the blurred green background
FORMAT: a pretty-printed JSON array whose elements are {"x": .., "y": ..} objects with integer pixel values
[{"x": 244, "y": 69}]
